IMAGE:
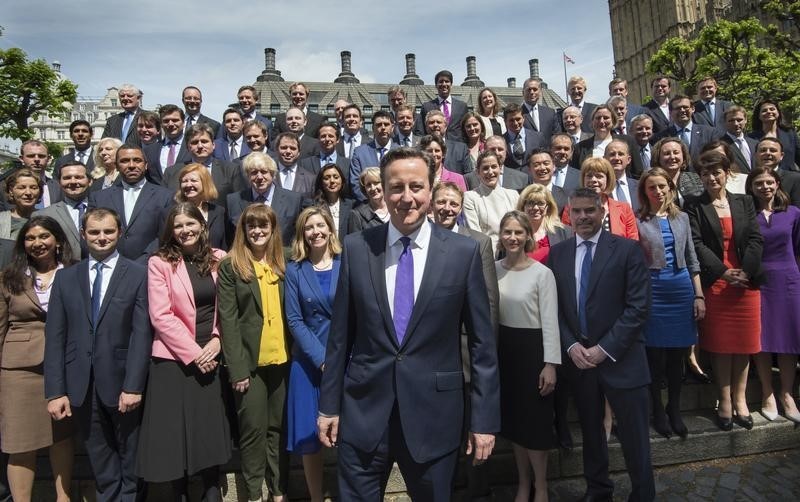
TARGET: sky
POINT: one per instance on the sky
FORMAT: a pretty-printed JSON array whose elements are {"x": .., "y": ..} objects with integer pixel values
[{"x": 218, "y": 45}]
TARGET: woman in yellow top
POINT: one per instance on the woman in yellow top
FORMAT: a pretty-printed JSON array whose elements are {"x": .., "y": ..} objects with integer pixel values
[{"x": 255, "y": 345}]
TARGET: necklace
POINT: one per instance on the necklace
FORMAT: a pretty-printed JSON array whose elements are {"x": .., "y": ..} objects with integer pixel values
[
  {"x": 323, "y": 265},
  {"x": 720, "y": 205}
]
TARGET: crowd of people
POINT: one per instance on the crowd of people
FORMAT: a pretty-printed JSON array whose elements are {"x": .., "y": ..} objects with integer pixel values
[{"x": 296, "y": 284}]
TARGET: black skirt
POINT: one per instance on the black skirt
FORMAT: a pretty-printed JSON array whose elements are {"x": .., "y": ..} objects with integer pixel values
[
  {"x": 527, "y": 417},
  {"x": 184, "y": 426}
]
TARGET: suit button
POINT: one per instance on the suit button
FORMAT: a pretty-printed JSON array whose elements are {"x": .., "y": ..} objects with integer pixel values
[{"x": 399, "y": 357}]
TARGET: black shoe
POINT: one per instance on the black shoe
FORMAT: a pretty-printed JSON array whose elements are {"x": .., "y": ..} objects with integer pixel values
[
  {"x": 744, "y": 421},
  {"x": 565, "y": 442},
  {"x": 661, "y": 425},
  {"x": 701, "y": 377},
  {"x": 676, "y": 422},
  {"x": 725, "y": 424}
]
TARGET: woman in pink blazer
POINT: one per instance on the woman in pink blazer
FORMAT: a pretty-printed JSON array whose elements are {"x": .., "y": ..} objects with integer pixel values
[{"x": 184, "y": 428}]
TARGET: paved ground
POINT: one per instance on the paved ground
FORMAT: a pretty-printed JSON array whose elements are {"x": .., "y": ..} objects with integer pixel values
[{"x": 767, "y": 477}]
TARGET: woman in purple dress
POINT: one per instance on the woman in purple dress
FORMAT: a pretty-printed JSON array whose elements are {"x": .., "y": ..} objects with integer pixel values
[{"x": 779, "y": 222}]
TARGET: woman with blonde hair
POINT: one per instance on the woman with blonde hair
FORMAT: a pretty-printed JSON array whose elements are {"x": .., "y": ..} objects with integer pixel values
[
  {"x": 105, "y": 171},
  {"x": 538, "y": 203},
  {"x": 374, "y": 213},
  {"x": 196, "y": 186},
  {"x": 489, "y": 110},
  {"x": 256, "y": 347},
  {"x": 310, "y": 289}
]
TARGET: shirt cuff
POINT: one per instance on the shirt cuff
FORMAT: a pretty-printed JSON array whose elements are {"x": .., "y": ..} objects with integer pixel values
[
  {"x": 606, "y": 353},
  {"x": 570, "y": 347}
]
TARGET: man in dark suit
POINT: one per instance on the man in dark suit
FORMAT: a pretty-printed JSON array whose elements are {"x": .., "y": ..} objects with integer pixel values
[
  {"x": 642, "y": 131},
  {"x": 658, "y": 107},
  {"x": 232, "y": 145},
  {"x": 69, "y": 212},
  {"x": 576, "y": 88},
  {"x": 261, "y": 170},
  {"x": 299, "y": 95},
  {"x": 123, "y": 125},
  {"x": 97, "y": 352},
  {"x": 744, "y": 147},
  {"x": 457, "y": 157},
  {"x": 509, "y": 178},
  {"x": 404, "y": 126},
  {"x": 572, "y": 124},
  {"x": 453, "y": 109},
  {"x": 542, "y": 168},
  {"x": 33, "y": 155},
  {"x": 297, "y": 124},
  {"x": 169, "y": 150},
  {"x": 255, "y": 139},
  {"x": 248, "y": 97},
  {"x": 619, "y": 156},
  {"x": 538, "y": 117},
  {"x": 769, "y": 154},
  {"x": 80, "y": 131},
  {"x": 681, "y": 126},
  {"x": 192, "y": 102},
  {"x": 325, "y": 152},
  {"x": 564, "y": 175},
  {"x": 520, "y": 141},
  {"x": 619, "y": 106},
  {"x": 353, "y": 134},
  {"x": 708, "y": 110},
  {"x": 603, "y": 305},
  {"x": 227, "y": 176},
  {"x": 619, "y": 87},
  {"x": 142, "y": 206},
  {"x": 392, "y": 388},
  {"x": 290, "y": 175},
  {"x": 602, "y": 121},
  {"x": 370, "y": 154}
]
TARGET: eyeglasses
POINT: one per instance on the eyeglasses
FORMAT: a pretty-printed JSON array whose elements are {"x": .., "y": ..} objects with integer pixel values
[{"x": 537, "y": 204}]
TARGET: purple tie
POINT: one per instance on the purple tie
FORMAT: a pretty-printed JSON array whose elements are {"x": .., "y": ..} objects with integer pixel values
[
  {"x": 403, "y": 290},
  {"x": 446, "y": 111}
]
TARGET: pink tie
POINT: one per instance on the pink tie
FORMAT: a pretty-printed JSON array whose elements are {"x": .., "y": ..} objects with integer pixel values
[{"x": 446, "y": 111}]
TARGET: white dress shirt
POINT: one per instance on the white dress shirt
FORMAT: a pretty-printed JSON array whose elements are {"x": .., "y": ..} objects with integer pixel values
[
  {"x": 420, "y": 242},
  {"x": 109, "y": 264},
  {"x": 580, "y": 252}
]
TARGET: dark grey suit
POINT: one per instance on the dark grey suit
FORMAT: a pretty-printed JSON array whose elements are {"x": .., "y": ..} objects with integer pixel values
[
  {"x": 702, "y": 115},
  {"x": 202, "y": 119},
  {"x": 152, "y": 153},
  {"x": 227, "y": 176},
  {"x": 533, "y": 140},
  {"x": 303, "y": 181},
  {"x": 660, "y": 122},
  {"x": 286, "y": 204},
  {"x": 114, "y": 125},
  {"x": 457, "y": 111},
  {"x": 548, "y": 122},
  {"x": 741, "y": 161}
]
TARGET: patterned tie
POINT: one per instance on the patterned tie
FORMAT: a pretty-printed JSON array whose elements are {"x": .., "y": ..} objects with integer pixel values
[
  {"x": 406, "y": 141},
  {"x": 685, "y": 137},
  {"x": 171, "y": 154},
  {"x": 189, "y": 121},
  {"x": 97, "y": 287},
  {"x": 232, "y": 152},
  {"x": 518, "y": 149},
  {"x": 586, "y": 271},
  {"x": 381, "y": 153},
  {"x": 645, "y": 154},
  {"x": 742, "y": 145},
  {"x": 82, "y": 157},
  {"x": 403, "y": 290},
  {"x": 446, "y": 111},
  {"x": 712, "y": 112}
]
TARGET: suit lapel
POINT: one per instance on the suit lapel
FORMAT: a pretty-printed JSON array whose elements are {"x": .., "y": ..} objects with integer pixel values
[
  {"x": 713, "y": 220},
  {"x": 82, "y": 270},
  {"x": 434, "y": 267},
  {"x": 31, "y": 294},
  {"x": 61, "y": 208},
  {"x": 186, "y": 282},
  {"x": 142, "y": 201},
  {"x": 255, "y": 289},
  {"x": 117, "y": 278},
  {"x": 118, "y": 200},
  {"x": 603, "y": 253},
  {"x": 376, "y": 256}
]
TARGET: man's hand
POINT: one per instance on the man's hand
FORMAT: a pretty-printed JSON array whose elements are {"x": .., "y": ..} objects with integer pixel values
[
  {"x": 129, "y": 402},
  {"x": 58, "y": 408},
  {"x": 241, "y": 385},
  {"x": 580, "y": 356},
  {"x": 596, "y": 355},
  {"x": 328, "y": 430},
  {"x": 482, "y": 444}
]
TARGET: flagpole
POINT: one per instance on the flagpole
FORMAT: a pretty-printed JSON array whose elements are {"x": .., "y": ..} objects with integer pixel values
[{"x": 566, "y": 86}]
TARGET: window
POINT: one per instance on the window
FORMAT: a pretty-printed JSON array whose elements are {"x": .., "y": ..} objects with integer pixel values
[
  {"x": 61, "y": 134},
  {"x": 113, "y": 102}
]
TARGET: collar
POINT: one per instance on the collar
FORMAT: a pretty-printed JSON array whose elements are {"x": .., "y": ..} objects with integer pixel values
[
  {"x": 267, "y": 194},
  {"x": 420, "y": 237},
  {"x": 109, "y": 262},
  {"x": 449, "y": 100},
  {"x": 74, "y": 203},
  {"x": 138, "y": 185},
  {"x": 288, "y": 168},
  {"x": 595, "y": 238}
]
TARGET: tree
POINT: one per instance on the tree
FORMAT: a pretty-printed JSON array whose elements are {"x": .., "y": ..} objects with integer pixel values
[
  {"x": 744, "y": 58},
  {"x": 27, "y": 89}
]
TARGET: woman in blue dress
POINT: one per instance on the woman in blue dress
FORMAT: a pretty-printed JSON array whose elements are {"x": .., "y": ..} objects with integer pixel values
[
  {"x": 678, "y": 302},
  {"x": 310, "y": 288}
]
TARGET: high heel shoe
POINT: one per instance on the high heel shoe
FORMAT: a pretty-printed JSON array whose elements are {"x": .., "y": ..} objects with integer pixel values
[
  {"x": 676, "y": 422},
  {"x": 661, "y": 425},
  {"x": 769, "y": 415},
  {"x": 793, "y": 416},
  {"x": 745, "y": 421},
  {"x": 725, "y": 423},
  {"x": 700, "y": 377}
]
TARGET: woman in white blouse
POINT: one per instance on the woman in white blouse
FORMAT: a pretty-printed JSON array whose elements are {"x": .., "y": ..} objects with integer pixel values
[{"x": 528, "y": 350}]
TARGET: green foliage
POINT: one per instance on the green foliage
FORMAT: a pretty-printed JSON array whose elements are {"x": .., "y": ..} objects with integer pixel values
[
  {"x": 742, "y": 56},
  {"x": 28, "y": 88}
]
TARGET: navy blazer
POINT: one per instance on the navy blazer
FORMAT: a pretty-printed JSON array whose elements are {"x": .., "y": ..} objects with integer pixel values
[
  {"x": 152, "y": 153},
  {"x": 116, "y": 352},
  {"x": 457, "y": 111},
  {"x": 368, "y": 373},
  {"x": 114, "y": 125},
  {"x": 617, "y": 305},
  {"x": 308, "y": 311},
  {"x": 533, "y": 140},
  {"x": 286, "y": 204},
  {"x": 548, "y": 123},
  {"x": 222, "y": 150},
  {"x": 147, "y": 218},
  {"x": 701, "y": 136},
  {"x": 703, "y": 116}
]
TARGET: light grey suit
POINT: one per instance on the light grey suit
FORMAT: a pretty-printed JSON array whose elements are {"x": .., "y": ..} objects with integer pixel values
[{"x": 60, "y": 212}]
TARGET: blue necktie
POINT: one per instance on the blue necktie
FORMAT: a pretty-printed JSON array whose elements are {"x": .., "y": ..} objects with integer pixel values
[
  {"x": 586, "y": 271},
  {"x": 403, "y": 290},
  {"x": 97, "y": 286},
  {"x": 126, "y": 126}
]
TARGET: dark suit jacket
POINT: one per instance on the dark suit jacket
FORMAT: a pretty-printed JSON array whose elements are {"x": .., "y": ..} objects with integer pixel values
[
  {"x": 703, "y": 116},
  {"x": 489, "y": 273},
  {"x": 364, "y": 156},
  {"x": 617, "y": 306},
  {"x": 660, "y": 122},
  {"x": 219, "y": 235},
  {"x": 313, "y": 121},
  {"x": 533, "y": 140},
  {"x": 147, "y": 218},
  {"x": 116, "y": 351},
  {"x": 222, "y": 150},
  {"x": 512, "y": 178},
  {"x": 790, "y": 183},
  {"x": 741, "y": 161},
  {"x": 572, "y": 179},
  {"x": 6, "y": 252},
  {"x": 114, "y": 124},
  {"x": 363, "y": 217},
  {"x": 368, "y": 373},
  {"x": 585, "y": 149},
  {"x": 213, "y": 124},
  {"x": 633, "y": 187},
  {"x": 707, "y": 236},
  {"x": 548, "y": 123},
  {"x": 340, "y": 146},
  {"x": 312, "y": 164},
  {"x": 303, "y": 181},
  {"x": 346, "y": 207},
  {"x": 457, "y": 111},
  {"x": 227, "y": 176},
  {"x": 457, "y": 157},
  {"x": 586, "y": 114},
  {"x": 152, "y": 153},
  {"x": 561, "y": 197},
  {"x": 69, "y": 157},
  {"x": 701, "y": 136},
  {"x": 286, "y": 204}
]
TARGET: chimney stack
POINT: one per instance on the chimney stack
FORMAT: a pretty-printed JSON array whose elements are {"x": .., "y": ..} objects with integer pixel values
[
  {"x": 472, "y": 79},
  {"x": 411, "y": 77},
  {"x": 512, "y": 82},
  {"x": 56, "y": 67},
  {"x": 270, "y": 74},
  {"x": 346, "y": 76},
  {"x": 534, "y": 67}
]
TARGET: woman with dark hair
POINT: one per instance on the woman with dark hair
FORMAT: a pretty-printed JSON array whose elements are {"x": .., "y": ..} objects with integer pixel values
[
  {"x": 310, "y": 289},
  {"x": 23, "y": 191},
  {"x": 779, "y": 222},
  {"x": 768, "y": 122},
  {"x": 433, "y": 145},
  {"x": 195, "y": 185},
  {"x": 489, "y": 110},
  {"x": 41, "y": 249},
  {"x": 529, "y": 349},
  {"x": 672, "y": 155},
  {"x": 677, "y": 295},
  {"x": 474, "y": 133},
  {"x": 728, "y": 245},
  {"x": 374, "y": 213},
  {"x": 332, "y": 193},
  {"x": 184, "y": 427},
  {"x": 256, "y": 346},
  {"x": 736, "y": 180},
  {"x": 485, "y": 206}
]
